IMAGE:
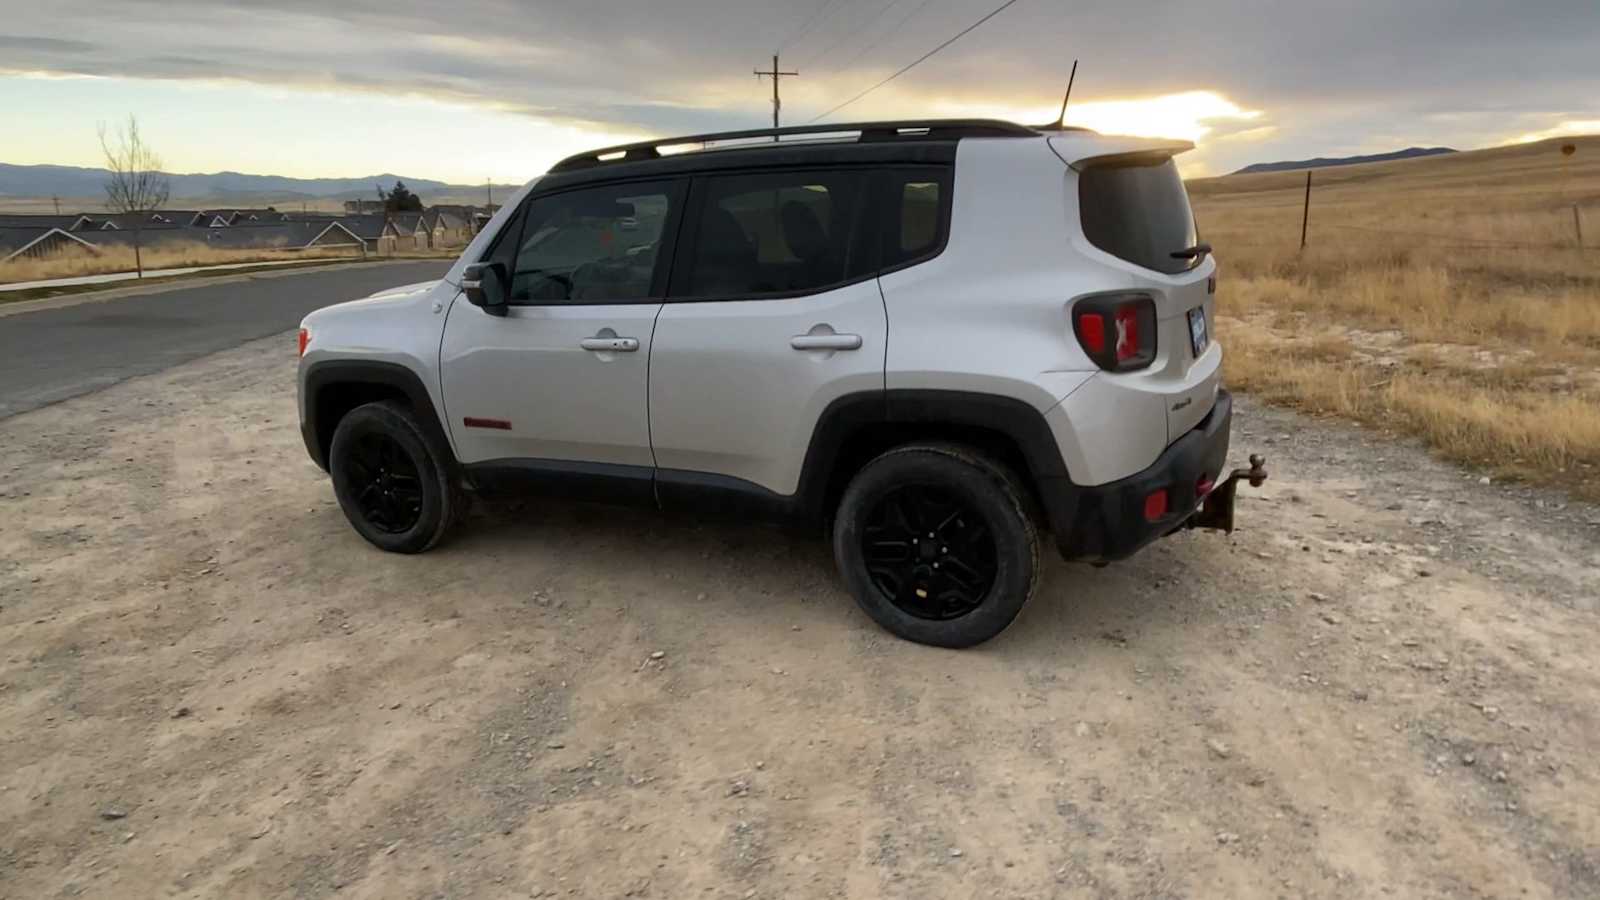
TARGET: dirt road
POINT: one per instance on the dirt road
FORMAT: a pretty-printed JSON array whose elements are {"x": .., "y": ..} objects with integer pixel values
[{"x": 1385, "y": 684}]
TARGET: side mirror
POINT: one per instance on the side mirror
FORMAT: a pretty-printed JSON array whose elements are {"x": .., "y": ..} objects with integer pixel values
[{"x": 487, "y": 286}]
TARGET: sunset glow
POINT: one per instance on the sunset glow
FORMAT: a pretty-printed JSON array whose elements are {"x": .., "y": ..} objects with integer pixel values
[{"x": 1190, "y": 115}]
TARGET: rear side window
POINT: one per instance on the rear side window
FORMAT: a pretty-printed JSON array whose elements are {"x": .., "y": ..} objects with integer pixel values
[
  {"x": 1139, "y": 213},
  {"x": 916, "y": 221},
  {"x": 773, "y": 233}
]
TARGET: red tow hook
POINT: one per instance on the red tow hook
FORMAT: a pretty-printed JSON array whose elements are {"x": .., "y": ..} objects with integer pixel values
[{"x": 1216, "y": 506}]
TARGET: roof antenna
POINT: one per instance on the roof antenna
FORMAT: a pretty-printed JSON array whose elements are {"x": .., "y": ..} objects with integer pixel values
[{"x": 1061, "y": 121}]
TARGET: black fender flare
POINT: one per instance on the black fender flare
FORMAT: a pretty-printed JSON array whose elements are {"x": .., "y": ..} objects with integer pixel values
[
  {"x": 332, "y": 373},
  {"x": 1024, "y": 425}
]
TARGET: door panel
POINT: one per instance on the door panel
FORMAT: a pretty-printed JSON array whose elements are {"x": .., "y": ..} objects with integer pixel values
[
  {"x": 562, "y": 375},
  {"x": 530, "y": 369},
  {"x": 763, "y": 328},
  {"x": 737, "y": 386}
]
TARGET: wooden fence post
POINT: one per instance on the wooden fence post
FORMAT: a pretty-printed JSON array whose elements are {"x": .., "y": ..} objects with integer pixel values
[{"x": 1305, "y": 212}]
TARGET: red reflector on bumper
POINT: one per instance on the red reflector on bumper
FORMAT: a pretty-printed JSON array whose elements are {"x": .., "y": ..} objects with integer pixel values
[
  {"x": 1203, "y": 487},
  {"x": 1155, "y": 505}
]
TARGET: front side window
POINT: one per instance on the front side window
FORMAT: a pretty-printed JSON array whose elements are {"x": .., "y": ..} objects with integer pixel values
[
  {"x": 594, "y": 245},
  {"x": 773, "y": 233}
]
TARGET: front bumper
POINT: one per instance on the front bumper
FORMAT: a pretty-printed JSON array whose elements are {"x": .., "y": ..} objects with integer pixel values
[{"x": 1107, "y": 522}]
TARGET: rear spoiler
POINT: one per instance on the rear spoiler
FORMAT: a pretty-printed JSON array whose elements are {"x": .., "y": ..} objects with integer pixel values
[{"x": 1084, "y": 151}]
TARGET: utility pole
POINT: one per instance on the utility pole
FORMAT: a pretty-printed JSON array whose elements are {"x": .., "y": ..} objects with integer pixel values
[
  {"x": 57, "y": 201},
  {"x": 488, "y": 193},
  {"x": 776, "y": 75}
]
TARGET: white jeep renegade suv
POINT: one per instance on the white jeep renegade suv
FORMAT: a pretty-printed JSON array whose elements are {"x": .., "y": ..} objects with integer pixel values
[{"x": 937, "y": 338}]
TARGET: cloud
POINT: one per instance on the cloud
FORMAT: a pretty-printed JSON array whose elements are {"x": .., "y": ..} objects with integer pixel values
[
  {"x": 1564, "y": 129},
  {"x": 1319, "y": 74},
  {"x": 26, "y": 43}
]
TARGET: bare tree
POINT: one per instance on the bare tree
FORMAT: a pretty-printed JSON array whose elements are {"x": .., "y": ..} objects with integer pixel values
[{"x": 136, "y": 185}]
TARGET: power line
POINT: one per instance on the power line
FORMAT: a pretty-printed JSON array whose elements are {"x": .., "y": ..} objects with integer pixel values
[
  {"x": 806, "y": 28},
  {"x": 895, "y": 30},
  {"x": 992, "y": 13},
  {"x": 849, "y": 33}
]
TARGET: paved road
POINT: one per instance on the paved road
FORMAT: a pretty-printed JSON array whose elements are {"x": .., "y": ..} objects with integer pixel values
[{"x": 52, "y": 354}]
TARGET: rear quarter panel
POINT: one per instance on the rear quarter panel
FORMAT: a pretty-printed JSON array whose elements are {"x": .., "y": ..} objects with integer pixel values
[
  {"x": 992, "y": 314},
  {"x": 989, "y": 314}
]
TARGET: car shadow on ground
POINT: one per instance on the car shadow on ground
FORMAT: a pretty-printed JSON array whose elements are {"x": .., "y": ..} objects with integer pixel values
[{"x": 737, "y": 565}]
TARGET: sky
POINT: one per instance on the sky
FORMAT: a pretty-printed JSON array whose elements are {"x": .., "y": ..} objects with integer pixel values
[{"x": 466, "y": 90}]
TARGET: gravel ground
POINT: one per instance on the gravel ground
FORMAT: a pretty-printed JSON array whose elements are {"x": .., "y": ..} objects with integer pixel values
[{"x": 1384, "y": 684}]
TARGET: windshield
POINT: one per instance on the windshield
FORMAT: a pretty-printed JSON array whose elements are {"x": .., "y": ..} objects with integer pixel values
[{"x": 1139, "y": 213}]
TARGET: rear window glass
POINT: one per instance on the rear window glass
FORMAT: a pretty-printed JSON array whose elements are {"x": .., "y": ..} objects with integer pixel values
[
  {"x": 1138, "y": 213},
  {"x": 915, "y": 221},
  {"x": 919, "y": 218}
]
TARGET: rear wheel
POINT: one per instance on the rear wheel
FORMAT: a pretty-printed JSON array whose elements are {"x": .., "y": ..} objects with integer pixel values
[
  {"x": 393, "y": 486},
  {"x": 935, "y": 543}
]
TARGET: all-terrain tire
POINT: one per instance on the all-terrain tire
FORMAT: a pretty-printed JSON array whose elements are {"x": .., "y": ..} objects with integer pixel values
[
  {"x": 988, "y": 490},
  {"x": 442, "y": 501}
]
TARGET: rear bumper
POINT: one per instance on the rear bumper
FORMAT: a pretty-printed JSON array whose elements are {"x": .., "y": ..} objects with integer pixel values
[{"x": 1107, "y": 522}]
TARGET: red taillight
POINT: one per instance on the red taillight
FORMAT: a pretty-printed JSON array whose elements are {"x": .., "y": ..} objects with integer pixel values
[
  {"x": 1117, "y": 331},
  {"x": 1127, "y": 334},
  {"x": 1092, "y": 332},
  {"x": 305, "y": 338},
  {"x": 1155, "y": 505}
]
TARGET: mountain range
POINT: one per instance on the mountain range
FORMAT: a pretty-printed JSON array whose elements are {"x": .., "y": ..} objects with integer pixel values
[
  {"x": 75, "y": 181},
  {"x": 79, "y": 182},
  {"x": 1322, "y": 162}
]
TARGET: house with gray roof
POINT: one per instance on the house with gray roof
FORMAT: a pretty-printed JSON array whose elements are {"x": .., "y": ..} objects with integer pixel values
[
  {"x": 75, "y": 222},
  {"x": 34, "y": 241},
  {"x": 446, "y": 228}
]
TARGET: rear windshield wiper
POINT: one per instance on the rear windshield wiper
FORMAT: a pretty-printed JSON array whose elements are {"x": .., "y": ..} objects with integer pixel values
[{"x": 1198, "y": 251}]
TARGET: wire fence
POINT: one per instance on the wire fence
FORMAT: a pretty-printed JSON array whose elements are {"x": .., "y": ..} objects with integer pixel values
[
  {"x": 1452, "y": 241},
  {"x": 1546, "y": 223}
]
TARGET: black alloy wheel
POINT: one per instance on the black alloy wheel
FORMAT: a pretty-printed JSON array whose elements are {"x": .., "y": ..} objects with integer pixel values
[
  {"x": 396, "y": 485},
  {"x": 936, "y": 544},
  {"x": 928, "y": 552},
  {"x": 385, "y": 483}
]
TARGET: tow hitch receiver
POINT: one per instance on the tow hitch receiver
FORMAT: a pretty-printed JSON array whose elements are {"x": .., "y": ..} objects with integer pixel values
[{"x": 1216, "y": 509}]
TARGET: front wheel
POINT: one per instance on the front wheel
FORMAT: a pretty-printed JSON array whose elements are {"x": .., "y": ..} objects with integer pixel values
[
  {"x": 393, "y": 486},
  {"x": 936, "y": 545}
]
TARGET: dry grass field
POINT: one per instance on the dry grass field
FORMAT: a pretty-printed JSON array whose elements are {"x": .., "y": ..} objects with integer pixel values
[
  {"x": 176, "y": 256},
  {"x": 171, "y": 256},
  {"x": 1444, "y": 297}
]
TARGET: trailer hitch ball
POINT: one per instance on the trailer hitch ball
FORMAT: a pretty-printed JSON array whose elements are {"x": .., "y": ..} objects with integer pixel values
[{"x": 1216, "y": 508}]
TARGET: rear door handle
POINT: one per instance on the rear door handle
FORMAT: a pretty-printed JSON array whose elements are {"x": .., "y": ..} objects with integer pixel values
[
  {"x": 826, "y": 342},
  {"x": 610, "y": 344}
]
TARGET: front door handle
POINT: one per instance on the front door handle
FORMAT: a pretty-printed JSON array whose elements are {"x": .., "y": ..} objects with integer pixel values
[
  {"x": 610, "y": 344},
  {"x": 826, "y": 342}
]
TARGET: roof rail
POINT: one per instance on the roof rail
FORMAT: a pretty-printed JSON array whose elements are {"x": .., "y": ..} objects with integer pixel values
[{"x": 913, "y": 129}]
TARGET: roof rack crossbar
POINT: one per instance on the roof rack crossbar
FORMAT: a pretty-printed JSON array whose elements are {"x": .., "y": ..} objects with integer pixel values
[{"x": 926, "y": 129}]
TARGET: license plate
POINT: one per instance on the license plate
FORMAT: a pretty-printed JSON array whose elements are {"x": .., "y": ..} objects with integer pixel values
[{"x": 1198, "y": 338}]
